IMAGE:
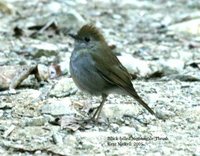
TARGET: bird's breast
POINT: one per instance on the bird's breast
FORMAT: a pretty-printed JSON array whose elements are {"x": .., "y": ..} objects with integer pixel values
[{"x": 85, "y": 75}]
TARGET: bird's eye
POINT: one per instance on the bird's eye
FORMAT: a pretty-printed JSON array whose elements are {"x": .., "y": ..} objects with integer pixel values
[{"x": 87, "y": 39}]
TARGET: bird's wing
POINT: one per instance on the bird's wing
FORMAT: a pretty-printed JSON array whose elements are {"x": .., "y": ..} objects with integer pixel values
[{"x": 111, "y": 69}]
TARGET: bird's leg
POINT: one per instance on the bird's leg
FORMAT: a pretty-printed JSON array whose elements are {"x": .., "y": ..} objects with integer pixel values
[{"x": 98, "y": 111}]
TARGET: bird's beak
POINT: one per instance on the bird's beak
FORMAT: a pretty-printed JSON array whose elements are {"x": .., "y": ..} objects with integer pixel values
[{"x": 73, "y": 36}]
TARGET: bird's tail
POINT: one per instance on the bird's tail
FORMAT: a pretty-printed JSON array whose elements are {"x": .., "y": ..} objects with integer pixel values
[{"x": 134, "y": 94}]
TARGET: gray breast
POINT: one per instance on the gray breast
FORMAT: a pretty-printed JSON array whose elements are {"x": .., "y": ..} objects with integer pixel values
[{"x": 85, "y": 75}]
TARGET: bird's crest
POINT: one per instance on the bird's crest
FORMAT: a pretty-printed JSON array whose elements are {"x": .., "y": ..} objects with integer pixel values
[{"x": 90, "y": 30}]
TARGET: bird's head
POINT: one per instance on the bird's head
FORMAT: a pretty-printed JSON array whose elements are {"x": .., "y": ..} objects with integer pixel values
[{"x": 88, "y": 36}]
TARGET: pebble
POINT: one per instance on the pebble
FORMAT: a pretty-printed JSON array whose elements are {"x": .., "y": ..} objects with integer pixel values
[
  {"x": 1, "y": 113},
  {"x": 58, "y": 139},
  {"x": 35, "y": 121},
  {"x": 114, "y": 127},
  {"x": 58, "y": 107},
  {"x": 127, "y": 130}
]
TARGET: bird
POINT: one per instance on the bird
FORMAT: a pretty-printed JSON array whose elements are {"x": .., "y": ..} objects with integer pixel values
[{"x": 95, "y": 69}]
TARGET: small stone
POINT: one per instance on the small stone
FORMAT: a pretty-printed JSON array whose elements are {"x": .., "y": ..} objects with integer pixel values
[
  {"x": 58, "y": 107},
  {"x": 190, "y": 26},
  {"x": 44, "y": 49},
  {"x": 112, "y": 111},
  {"x": 171, "y": 66},
  {"x": 35, "y": 121},
  {"x": 49, "y": 118},
  {"x": 138, "y": 4},
  {"x": 114, "y": 127},
  {"x": 64, "y": 66},
  {"x": 64, "y": 87},
  {"x": 140, "y": 67},
  {"x": 43, "y": 72},
  {"x": 4, "y": 105},
  {"x": 58, "y": 139},
  {"x": 127, "y": 130},
  {"x": 1, "y": 113},
  {"x": 54, "y": 7},
  {"x": 74, "y": 17},
  {"x": 3, "y": 128},
  {"x": 164, "y": 114},
  {"x": 38, "y": 152},
  {"x": 70, "y": 140}
]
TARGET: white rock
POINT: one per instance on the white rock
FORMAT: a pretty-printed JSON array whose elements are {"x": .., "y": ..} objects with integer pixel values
[
  {"x": 55, "y": 7},
  {"x": 57, "y": 138},
  {"x": 114, "y": 126},
  {"x": 35, "y": 121},
  {"x": 1, "y": 113},
  {"x": 134, "y": 65},
  {"x": 191, "y": 26},
  {"x": 46, "y": 46},
  {"x": 75, "y": 17},
  {"x": 64, "y": 66},
  {"x": 34, "y": 93},
  {"x": 176, "y": 65},
  {"x": 118, "y": 110},
  {"x": 58, "y": 107},
  {"x": 63, "y": 86},
  {"x": 43, "y": 71},
  {"x": 127, "y": 130},
  {"x": 137, "y": 4}
]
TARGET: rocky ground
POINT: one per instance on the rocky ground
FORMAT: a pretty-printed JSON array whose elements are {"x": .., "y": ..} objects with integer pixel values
[{"x": 41, "y": 110}]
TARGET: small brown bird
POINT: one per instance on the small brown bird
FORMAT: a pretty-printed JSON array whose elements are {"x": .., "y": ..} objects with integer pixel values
[{"x": 97, "y": 71}]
